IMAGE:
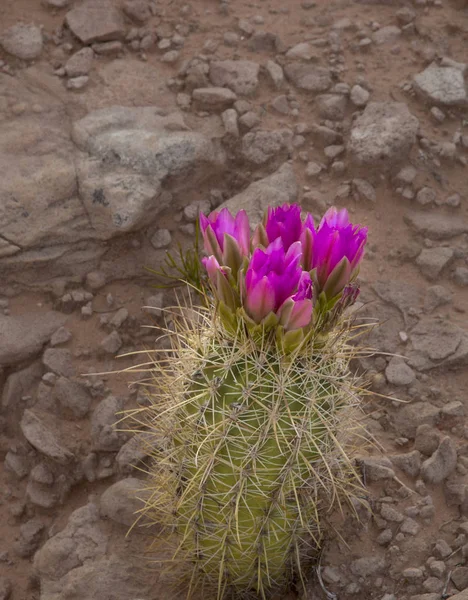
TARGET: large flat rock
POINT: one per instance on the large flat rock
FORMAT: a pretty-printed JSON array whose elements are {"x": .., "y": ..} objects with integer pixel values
[
  {"x": 96, "y": 21},
  {"x": 441, "y": 85}
]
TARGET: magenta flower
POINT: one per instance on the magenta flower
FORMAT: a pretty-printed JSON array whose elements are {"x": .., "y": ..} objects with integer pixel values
[
  {"x": 334, "y": 249},
  {"x": 218, "y": 225},
  {"x": 275, "y": 282},
  {"x": 284, "y": 222}
]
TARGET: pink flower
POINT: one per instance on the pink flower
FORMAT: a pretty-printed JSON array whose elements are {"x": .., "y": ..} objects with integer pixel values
[
  {"x": 218, "y": 225},
  {"x": 334, "y": 249},
  {"x": 284, "y": 222}
]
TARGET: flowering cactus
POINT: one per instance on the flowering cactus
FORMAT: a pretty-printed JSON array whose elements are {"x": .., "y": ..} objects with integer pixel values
[{"x": 253, "y": 402}]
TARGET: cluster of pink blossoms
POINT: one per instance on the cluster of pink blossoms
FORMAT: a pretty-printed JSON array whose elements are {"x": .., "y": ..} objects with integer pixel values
[{"x": 285, "y": 266}]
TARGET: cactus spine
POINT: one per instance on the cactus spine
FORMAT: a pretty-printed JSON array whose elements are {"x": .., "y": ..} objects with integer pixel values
[{"x": 252, "y": 457}]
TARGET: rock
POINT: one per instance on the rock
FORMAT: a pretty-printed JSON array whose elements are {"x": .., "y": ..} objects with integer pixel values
[
  {"x": 391, "y": 514},
  {"x": 30, "y": 538},
  {"x": 410, "y": 417},
  {"x": 77, "y": 83},
  {"x": 376, "y": 469},
  {"x": 241, "y": 76},
  {"x": 216, "y": 98},
  {"x": 308, "y": 77},
  {"x": 281, "y": 104},
  {"x": 135, "y": 450},
  {"x": 17, "y": 464},
  {"x": 366, "y": 566},
  {"x": 331, "y": 106},
  {"x": 436, "y": 295},
  {"x": 23, "y": 40},
  {"x": 453, "y": 409},
  {"x": 433, "y": 261},
  {"x": 364, "y": 190},
  {"x": 459, "y": 577},
  {"x": 359, "y": 96},
  {"x": 19, "y": 384},
  {"x": 72, "y": 397},
  {"x": 108, "y": 48},
  {"x": 385, "y": 35},
  {"x": 441, "y": 464},
  {"x": 275, "y": 73},
  {"x": 426, "y": 196},
  {"x": 80, "y": 63},
  {"x": 161, "y": 238},
  {"x": 436, "y": 341},
  {"x": 21, "y": 339},
  {"x": 96, "y": 21},
  {"x": 441, "y": 85},
  {"x": 413, "y": 574},
  {"x": 122, "y": 500},
  {"x": 258, "y": 147},
  {"x": 301, "y": 51},
  {"x": 83, "y": 539},
  {"x": 138, "y": 10},
  {"x": 383, "y": 135},
  {"x": 127, "y": 154},
  {"x": 410, "y": 526},
  {"x": 410, "y": 462},
  {"x": 436, "y": 226},
  {"x": 460, "y": 276},
  {"x": 442, "y": 549},
  {"x": 230, "y": 122},
  {"x": 427, "y": 439},
  {"x": 61, "y": 336},
  {"x": 112, "y": 343},
  {"x": 385, "y": 537},
  {"x": 44, "y": 439},
  {"x": 274, "y": 190},
  {"x": 104, "y": 433},
  {"x": 313, "y": 169},
  {"x": 59, "y": 361},
  {"x": 325, "y": 136}
]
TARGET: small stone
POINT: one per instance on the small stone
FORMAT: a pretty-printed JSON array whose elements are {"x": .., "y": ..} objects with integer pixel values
[
  {"x": 442, "y": 549},
  {"x": 433, "y": 585},
  {"x": 77, "y": 83},
  {"x": 72, "y": 397},
  {"x": 104, "y": 433},
  {"x": 332, "y": 106},
  {"x": 406, "y": 175},
  {"x": 386, "y": 35},
  {"x": 437, "y": 115},
  {"x": 59, "y": 361},
  {"x": 453, "y": 409},
  {"x": 426, "y": 196},
  {"x": 61, "y": 336},
  {"x": 441, "y": 464},
  {"x": 312, "y": 170},
  {"x": 399, "y": 373},
  {"x": 410, "y": 463},
  {"x": 108, "y": 48},
  {"x": 281, "y": 105},
  {"x": 43, "y": 439},
  {"x": 366, "y": 566},
  {"x": 275, "y": 73},
  {"x": 441, "y": 85},
  {"x": 161, "y": 238},
  {"x": 23, "y": 40},
  {"x": 436, "y": 295},
  {"x": 154, "y": 304},
  {"x": 230, "y": 122},
  {"x": 459, "y": 577},
  {"x": 427, "y": 440},
  {"x": 410, "y": 526},
  {"x": 214, "y": 98},
  {"x": 359, "y": 96},
  {"x": 413, "y": 574},
  {"x": 437, "y": 568},
  {"x": 138, "y": 10},
  {"x": 96, "y": 280},
  {"x": 231, "y": 39},
  {"x": 432, "y": 261},
  {"x": 364, "y": 190},
  {"x": 122, "y": 500},
  {"x": 96, "y": 21},
  {"x": 170, "y": 57},
  {"x": 377, "y": 469},
  {"x": 460, "y": 276},
  {"x": 80, "y": 63},
  {"x": 385, "y": 537},
  {"x": 249, "y": 119},
  {"x": 391, "y": 514},
  {"x": 30, "y": 539},
  {"x": 111, "y": 343},
  {"x": 302, "y": 51}
]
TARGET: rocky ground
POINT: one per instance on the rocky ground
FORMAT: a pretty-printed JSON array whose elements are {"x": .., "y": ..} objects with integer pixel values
[{"x": 119, "y": 119}]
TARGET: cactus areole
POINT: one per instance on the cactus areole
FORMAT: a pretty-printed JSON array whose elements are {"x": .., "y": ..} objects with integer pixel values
[{"x": 253, "y": 402}]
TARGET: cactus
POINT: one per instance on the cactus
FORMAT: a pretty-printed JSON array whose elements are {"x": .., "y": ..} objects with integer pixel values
[{"x": 253, "y": 403}]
